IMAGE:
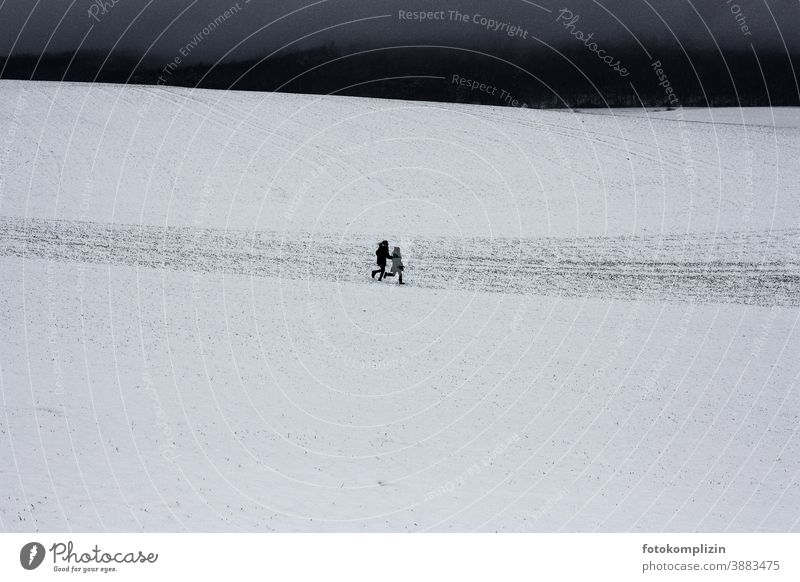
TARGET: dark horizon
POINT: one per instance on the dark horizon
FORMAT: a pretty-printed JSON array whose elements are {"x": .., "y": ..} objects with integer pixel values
[
  {"x": 250, "y": 30},
  {"x": 725, "y": 53}
]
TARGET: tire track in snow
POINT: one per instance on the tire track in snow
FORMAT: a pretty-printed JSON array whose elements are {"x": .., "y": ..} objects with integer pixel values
[{"x": 760, "y": 268}]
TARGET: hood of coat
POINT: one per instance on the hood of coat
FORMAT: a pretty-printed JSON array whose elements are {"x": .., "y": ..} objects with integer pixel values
[{"x": 396, "y": 252}]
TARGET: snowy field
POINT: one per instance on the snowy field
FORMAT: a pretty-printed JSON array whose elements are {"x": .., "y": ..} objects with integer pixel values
[{"x": 599, "y": 331}]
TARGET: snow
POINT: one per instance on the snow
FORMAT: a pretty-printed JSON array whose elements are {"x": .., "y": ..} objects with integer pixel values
[
  {"x": 749, "y": 117},
  {"x": 599, "y": 331}
]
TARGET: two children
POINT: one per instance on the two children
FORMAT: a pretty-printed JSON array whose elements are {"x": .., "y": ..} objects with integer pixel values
[{"x": 397, "y": 262}]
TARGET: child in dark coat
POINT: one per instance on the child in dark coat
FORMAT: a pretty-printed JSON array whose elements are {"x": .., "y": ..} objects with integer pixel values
[{"x": 383, "y": 255}]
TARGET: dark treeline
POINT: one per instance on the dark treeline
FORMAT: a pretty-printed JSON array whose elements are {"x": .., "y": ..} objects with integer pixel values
[{"x": 538, "y": 79}]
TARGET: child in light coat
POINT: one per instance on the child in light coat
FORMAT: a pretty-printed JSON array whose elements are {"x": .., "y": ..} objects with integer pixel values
[{"x": 397, "y": 265}]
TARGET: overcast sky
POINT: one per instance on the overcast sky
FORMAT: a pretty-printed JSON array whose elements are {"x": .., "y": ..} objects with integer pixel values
[{"x": 160, "y": 28}]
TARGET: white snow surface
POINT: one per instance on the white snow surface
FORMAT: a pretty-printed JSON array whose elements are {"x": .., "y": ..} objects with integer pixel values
[{"x": 599, "y": 330}]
